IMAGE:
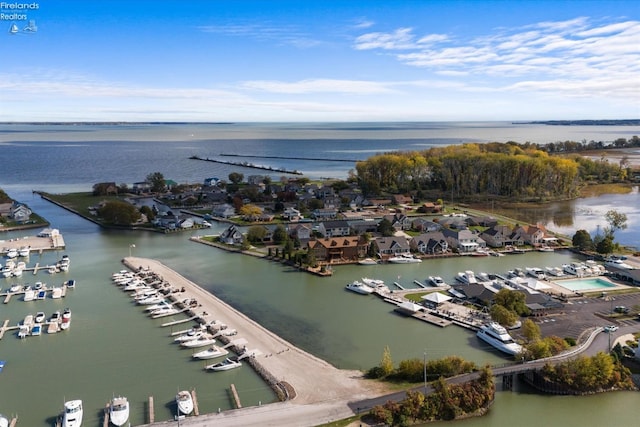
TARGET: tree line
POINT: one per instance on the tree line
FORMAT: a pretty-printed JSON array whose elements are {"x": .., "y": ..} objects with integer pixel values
[{"x": 520, "y": 172}]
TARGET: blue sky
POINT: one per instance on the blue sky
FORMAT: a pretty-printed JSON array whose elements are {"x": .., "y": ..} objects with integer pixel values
[{"x": 323, "y": 60}]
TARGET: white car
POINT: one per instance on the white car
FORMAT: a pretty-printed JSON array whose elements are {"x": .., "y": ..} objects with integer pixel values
[{"x": 610, "y": 328}]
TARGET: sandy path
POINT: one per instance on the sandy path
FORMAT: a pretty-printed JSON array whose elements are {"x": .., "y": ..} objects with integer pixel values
[{"x": 314, "y": 380}]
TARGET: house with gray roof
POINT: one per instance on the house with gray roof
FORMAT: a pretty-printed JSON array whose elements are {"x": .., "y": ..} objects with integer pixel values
[{"x": 431, "y": 243}]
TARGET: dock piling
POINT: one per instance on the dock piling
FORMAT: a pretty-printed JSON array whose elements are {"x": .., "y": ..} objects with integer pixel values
[
  {"x": 236, "y": 398},
  {"x": 196, "y": 411},
  {"x": 151, "y": 415}
]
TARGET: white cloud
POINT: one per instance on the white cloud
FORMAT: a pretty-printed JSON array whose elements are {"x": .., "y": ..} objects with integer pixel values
[{"x": 359, "y": 87}]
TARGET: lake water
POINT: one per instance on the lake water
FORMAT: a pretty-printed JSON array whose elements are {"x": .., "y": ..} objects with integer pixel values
[{"x": 112, "y": 348}]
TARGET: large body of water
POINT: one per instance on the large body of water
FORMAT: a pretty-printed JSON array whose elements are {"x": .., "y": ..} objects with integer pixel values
[{"x": 112, "y": 348}]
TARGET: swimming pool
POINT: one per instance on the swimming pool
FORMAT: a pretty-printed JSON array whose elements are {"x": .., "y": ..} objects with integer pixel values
[{"x": 584, "y": 284}]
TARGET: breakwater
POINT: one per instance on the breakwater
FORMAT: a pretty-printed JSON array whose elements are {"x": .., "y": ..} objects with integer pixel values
[{"x": 248, "y": 165}]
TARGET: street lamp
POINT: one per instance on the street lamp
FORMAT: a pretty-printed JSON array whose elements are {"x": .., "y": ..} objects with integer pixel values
[
  {"x": 425, "y": 372},
  {"x": 131, "y": 246}
]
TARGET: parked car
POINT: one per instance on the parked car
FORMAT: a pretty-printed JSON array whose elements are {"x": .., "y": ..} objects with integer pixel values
[
  {"x": 610, "y": 328},
  {"x": 621, "y": 309}
]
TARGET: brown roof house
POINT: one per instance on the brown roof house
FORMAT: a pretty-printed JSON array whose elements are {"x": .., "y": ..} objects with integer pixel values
[{"x": 339, "y": 248}]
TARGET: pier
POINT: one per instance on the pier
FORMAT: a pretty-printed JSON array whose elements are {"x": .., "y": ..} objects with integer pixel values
[
  {"x": 151, "y": 414},
  {"x": 196, "y": 411},
  {"x": 4, "y": 328}
]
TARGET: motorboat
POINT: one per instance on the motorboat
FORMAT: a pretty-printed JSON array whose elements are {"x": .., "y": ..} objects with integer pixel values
[
  {"x": 619, "y": 263},
  {"x": 436, "y": 281},
  {"x": 184, "y": 402},
  {"x": 11, "y": 253},
  {"x": 545, "y": 248},
  {"x": 404, "y": 259},
  {"x": 64, "y": 263},
  {"x": 359, "y": 288},
  {"x": 118, "y": 411},
  {"x": 191, "y": 334},
  {"x": 536, "y": 272},
  {"x": 36, "y": 329},
  {"x": 23, "y": 331},
  {"x": 576, "y": 269},
  {"x": 71, "y": 284},
  {"x": 467, "y": 277},
  {"x": 498, "y": 337},
  {"x": 29, "y": 295},
  {"x": 225, "y": 365},
  {"x": 56, "y": 292},
  {"x": 151, "y": 300},
  {"x": 72, "y": 415},
  {"x": 158, "y": 306},
  {"x": 42, "y": 294},
  {"x": 66, "y": 319},
  {"x": 40, "y": 316},
  {"x": 373, "y": 283},
  {"x": 210, "y": 353},
  {"x": 596, "y": 269},
  {"x": 4, "y": 422},
  {"x": 15, "y": 288},
  {"x": 164, "y": 312},
  {"x": 554, "y": 271},
  {"x": 24, "y": 251},
  {"x": 55, "y": 317},
  {"x": 28, "y": 320},
  {"x": 201, "y": 341},
  {"x": 7, "y": 270},
  {"x": 368, "y": 261}
]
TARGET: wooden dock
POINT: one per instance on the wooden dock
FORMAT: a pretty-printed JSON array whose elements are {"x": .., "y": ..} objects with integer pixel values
[
  {"x": 177, "y": 322},
  {"x": 4, "y": 328},
  {"x": 13, "y": 422},
  {"x": 196, "y": 411},
  {"x": 236, "y": 398},
  {"x": 152, "y": 414}
]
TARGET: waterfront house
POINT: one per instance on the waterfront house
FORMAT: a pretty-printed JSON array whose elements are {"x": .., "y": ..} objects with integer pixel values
[
  {"x": 291, "y": 214},
  {"x": 465, "y": 241},
  {"x": 223, "y": 210},
  {"x": 498, "y": 236},
  {"x": 425, "y": 225},
  {"x": 350, "y": 248},
  {"x": 324, "y": 213},
  {"x": 334, "y": 228},
  {"x": 232, "y": 236},
  {"x": 432, "y": 243},
  {"x": 533, "y": 235},
  {"x": 399, "y": 221},
  {"x": 300, "y": 232},
  {"x": 401, "y": 199},
  {"x": 361, "y": 226},
  {"x": 20, "y": 213},
  {"x": 141, "y": 187},
  {"x": 388, "y": 247}
]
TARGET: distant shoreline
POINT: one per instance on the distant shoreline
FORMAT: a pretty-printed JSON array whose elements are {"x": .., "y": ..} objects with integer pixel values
[{"x": 623, "y": 122}]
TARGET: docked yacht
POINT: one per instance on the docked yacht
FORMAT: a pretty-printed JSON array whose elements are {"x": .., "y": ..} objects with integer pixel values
[
  {"x": 201, "y": 341},
  {"x": 436, "y": 281},
  {"x": 40, "y": 317},
  {"x": 368, "y": 261},
  {"x": 359, "y": 288},
  {"x": 536, "y": 272},
  {"x": 554, "y": 271},
  {"x": 64, "y": 263},
  {"x": 404, "y": 259},
  {"x": 376, "y": 284},
  {"x": 190, "y": 335},
  {"x": 11, "y": 253},
  {"x": 24, "y": 251},
  {"x": 225, "y": 365},
  {"x": 210, "y": 353},
  {"x": 66, "y": 319},
  {"x": 184, "y": 402},
  {"x": 576, "y": 268},
  {"x": 467, "y": 277},
  {"x": 497, "y": 336},
  {"x": 72, "y": 415},
  {"x": 164, "y": 312},
  {"x": 118, "y": 411},
  {"x": 617, "y": 262}
]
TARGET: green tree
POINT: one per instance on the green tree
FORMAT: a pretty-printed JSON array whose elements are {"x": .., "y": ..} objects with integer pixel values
[
  {"x": 503, "y": 315},
  {"x": 256, "y": 234},
  {"x": 386, "y": 228},
  {"x": 530, "y": 330},
  {"x": 280, "y": 235},
  {"x": 236, "y": 177},
  {"x": 148, "y": 212},
  {"x": 157, "y": 182},
  {"x": 617, "y": 221},
  {"x": 512, "y": 300},
  {"x": 119, "y": 213},
  {"x": 605, "y": 246},
  {"x": 582, "y": 240}
]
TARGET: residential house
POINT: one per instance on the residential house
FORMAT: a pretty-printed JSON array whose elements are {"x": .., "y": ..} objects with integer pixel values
[
  {"x": 334, "y": 228},
  {"x": 429, "y": 207},
  {"x": 5, "y": 209},
  {"x": 399, "y": 221},
  {"x": 291, "y": 214},
  {"x": 211, "y": 182},
  {"x": 377, "y": 202},
  {"x": 224, "y": 210},
  {"x": 498, "y": 236},
  {"x": 401, "y": 199},
  {"x": 531, "y": 234},
  {"x": 387, "y": 247},
  {"x": 482, "y": 221},
  {"x": 321, "y": 214},
  {"x": 232, "y": 236},
  {"x": 361, "y": 226},
  {"x": 425, "y": 225},
  {"x": 141, "y": 187},
  {"x": 431, "y": 243},
  {"x": 465, "y": 241},
  {"x": 20, "y": 213},
  {"x": 339, "y": 248},
  {"x": 300, "y": 232}
]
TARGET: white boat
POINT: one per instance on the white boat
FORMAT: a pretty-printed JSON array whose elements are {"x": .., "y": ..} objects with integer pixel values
[
  {"x": 404, "y": 259},
  {"x": 201, "y": 341},
  {"x": 7, "y": 270},
  {"x": 467, "y": 277},
  {"x": 72, "y": 415},
  {"x": 15, "y": 288},
  {"x": 24, "y": 331},
  {"x": 29, "y": 295},
  {"x": 151, "y": 299},
  {"x": 24, "y": 251},
  {"x": 436, "y": 281},
  {"x": 184, "y": 402},
  {"x": 158, "y": 306},
  {"x": 192, "y": 334},
  {"x": 554, "y": 271},
  {"x": 359, "y": 287},
  {"x": 545, "y": 248},
  {"x": 40, "y": 316},
  {"x": 18, "y": 269},
  {"x": 368, "y": 261},
  {"x": 56, "y": 292},
  {"x": 118, "y": 411},
  {"x": 66, "y": 319},
  {"x": 210, "y": 353},
  {"x": 55, "y": 317},
  {"x": 497, "y": 336},
  {"x": 374, "y": 283},
  {"x": 536, "y": 272},
  {"x": 617, "y": 262},
  {"x": 64, "y": 263},
  {"x": 52, "y": 269},
  {"x": 11, "y": 253},
  {"x": 28, "y": 320},
  {"x": 164, "y": 312},
  {"x": 4, "y": 422},
  {"x": 576, "y": 269},
  {"x": 225, "y": 365},
  {"x": 596, "y": 269}
]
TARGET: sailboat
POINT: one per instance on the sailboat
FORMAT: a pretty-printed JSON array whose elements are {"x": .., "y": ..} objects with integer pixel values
[{"x": 13, "y": 29}]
